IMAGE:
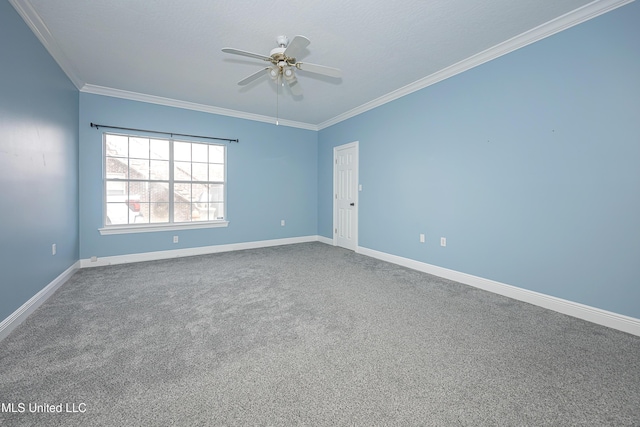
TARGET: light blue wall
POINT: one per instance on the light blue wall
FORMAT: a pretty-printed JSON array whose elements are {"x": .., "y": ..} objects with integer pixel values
[
  {"x": 271, "y": 175},
  {"x": 529, "y": 165},
  {"x": 38, "y": 165}
]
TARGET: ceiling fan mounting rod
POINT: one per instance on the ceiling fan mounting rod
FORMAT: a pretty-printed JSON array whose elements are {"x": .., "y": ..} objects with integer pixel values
[{"x": 283, "y": 41}]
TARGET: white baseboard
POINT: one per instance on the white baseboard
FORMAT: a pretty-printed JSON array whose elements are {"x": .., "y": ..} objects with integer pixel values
[
  {"x": 620, "y": 322},
  {"x": 325, "y": 240},
  {"x": 202, "y": 250},
  {"x": 595, "y": 315},
  {"x": 28, "y": 307},
  {"x": 18, "y": 316}
]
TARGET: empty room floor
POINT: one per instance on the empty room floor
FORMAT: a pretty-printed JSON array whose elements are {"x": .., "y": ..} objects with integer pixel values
[{"x": 306, "y": 334}]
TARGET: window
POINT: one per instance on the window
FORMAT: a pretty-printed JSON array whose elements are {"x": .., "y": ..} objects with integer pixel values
[{"x": 157, "y": 182}]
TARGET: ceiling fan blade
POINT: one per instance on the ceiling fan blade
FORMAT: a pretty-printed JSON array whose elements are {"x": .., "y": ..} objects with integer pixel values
[
  {"x": 253, "y": 76},
  {"x": 296, "y": 46},
  {"x": 295, "y": 87},
  {"x": 319, "y": 69},
  {"x": 245, "y": 53}
]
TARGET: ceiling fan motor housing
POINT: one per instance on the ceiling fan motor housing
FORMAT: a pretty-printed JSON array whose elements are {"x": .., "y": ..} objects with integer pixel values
[{"x": 277, "y": 54}]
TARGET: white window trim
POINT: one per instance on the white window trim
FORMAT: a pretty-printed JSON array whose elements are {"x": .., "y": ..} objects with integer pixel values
[
  {"x": 172, "y": 226},
  {"x": 128, "y": 229}
]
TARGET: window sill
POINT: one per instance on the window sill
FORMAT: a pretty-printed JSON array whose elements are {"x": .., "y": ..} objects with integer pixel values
[{"x": 127, "y": 229}]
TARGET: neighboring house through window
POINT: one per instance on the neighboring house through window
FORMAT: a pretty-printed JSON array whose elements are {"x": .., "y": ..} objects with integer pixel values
[{"x": 153, "y": 181}]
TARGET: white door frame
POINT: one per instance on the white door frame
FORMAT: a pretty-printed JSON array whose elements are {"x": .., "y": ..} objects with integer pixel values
[{"x": 356, "y": 184}]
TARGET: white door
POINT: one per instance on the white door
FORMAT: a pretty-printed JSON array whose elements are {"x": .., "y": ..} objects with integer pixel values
[{"x": 345, "y": 218}]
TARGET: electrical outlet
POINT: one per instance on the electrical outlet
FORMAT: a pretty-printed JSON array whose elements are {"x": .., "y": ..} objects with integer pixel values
[
  {"x": 443, "y": 241},
  {"x": 282, "y": 222},
  {"x": 175, "y": 239},
  {"x": 421, "y": 238},
  {"x": 54, "y": 249}
]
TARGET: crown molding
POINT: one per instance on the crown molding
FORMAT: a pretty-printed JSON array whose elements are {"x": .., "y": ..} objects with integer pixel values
[
  {"x": 26, "y": 10},
  {"x": 568, "y": 20},
  {"x": 38, "y": 27},
  {"x": 169, "y": 102}
]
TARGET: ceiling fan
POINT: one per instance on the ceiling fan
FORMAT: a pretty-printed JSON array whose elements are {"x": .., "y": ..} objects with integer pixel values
[{"x": 284, "y": 62}]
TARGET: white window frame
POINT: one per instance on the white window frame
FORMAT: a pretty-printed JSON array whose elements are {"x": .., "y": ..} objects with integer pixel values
[{"x": 154, "y": 227}]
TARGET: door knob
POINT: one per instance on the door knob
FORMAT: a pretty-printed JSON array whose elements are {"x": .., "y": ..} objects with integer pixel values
[{"x": 352, "y": 204}]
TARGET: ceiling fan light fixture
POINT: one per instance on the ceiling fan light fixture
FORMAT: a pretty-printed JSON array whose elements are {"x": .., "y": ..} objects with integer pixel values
[
  {"x": 288, "y": 74},
  {"x": 283, "y": 64}
]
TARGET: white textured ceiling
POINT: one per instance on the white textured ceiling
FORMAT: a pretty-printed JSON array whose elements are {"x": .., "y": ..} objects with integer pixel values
[{"x": 172, "y": 49}]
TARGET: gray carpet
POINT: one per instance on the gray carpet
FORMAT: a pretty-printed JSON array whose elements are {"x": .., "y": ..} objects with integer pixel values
[{"x": 308, "y": 334}]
